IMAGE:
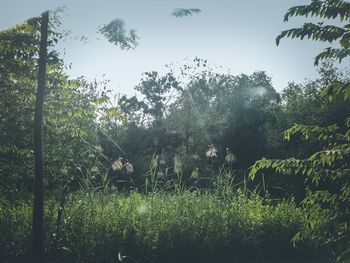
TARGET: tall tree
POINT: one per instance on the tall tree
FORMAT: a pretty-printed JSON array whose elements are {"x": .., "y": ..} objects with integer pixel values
[{"x": 38, "y": 212}]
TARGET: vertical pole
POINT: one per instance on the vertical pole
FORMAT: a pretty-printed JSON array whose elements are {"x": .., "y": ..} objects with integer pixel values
[{"x": 38, "y": 211}]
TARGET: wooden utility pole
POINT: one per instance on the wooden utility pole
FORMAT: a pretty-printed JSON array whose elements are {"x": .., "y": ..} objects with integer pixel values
[{"x": 38, "y": 211}]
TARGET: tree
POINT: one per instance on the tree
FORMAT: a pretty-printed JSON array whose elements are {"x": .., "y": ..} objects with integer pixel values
[
  {"x": 38, "y": 211},
  {"x": 327, "y": 171},
  {"x": 224, "y": 110},
  {"x": 18, "y": 52},
  {"x": 157, "y": 93}
]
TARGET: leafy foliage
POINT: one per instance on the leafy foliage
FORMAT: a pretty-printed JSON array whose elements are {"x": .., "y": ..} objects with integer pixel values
[
  {"x": 181, "y": 12},
  {"x": 116, "y": 33},
  {"x": 324, "y": 9},
  {"x": 327, "y": 177},
  {"x": 338, "y": 88},
  {"x": 70, "y": 112},
  {"x": 157, "y": 92},
  {"x": 326, "y": 171},
  {"x": 329, "y": 9}
]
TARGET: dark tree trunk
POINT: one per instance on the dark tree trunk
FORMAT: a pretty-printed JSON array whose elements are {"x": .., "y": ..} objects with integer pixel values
[{"x": 38, "y": 213}]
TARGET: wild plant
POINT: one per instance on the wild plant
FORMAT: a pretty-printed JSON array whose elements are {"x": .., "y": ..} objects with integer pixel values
[
  {"x": 223, "y": 184},
  {"x": 151, "y": 176},
  {"x": 178, "y": 183}
]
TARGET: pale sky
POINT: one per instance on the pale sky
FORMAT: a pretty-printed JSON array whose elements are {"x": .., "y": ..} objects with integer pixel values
[{"x": 236, "y": 34}]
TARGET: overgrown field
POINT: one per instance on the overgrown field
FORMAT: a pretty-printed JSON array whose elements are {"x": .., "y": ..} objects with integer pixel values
[{"x": 159, "y": 227}]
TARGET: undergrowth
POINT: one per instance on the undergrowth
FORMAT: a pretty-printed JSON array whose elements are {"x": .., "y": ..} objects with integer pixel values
[{"x": 159, "y": 227}]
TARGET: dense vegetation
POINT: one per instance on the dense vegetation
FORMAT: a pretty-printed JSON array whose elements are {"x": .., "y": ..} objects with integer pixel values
[
  {"x": 160, "y": 227},
  {"x": 193, "y": 169}
]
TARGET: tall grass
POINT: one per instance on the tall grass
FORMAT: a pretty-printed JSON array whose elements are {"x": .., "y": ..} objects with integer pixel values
[{"x": 159, "y": 227}]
